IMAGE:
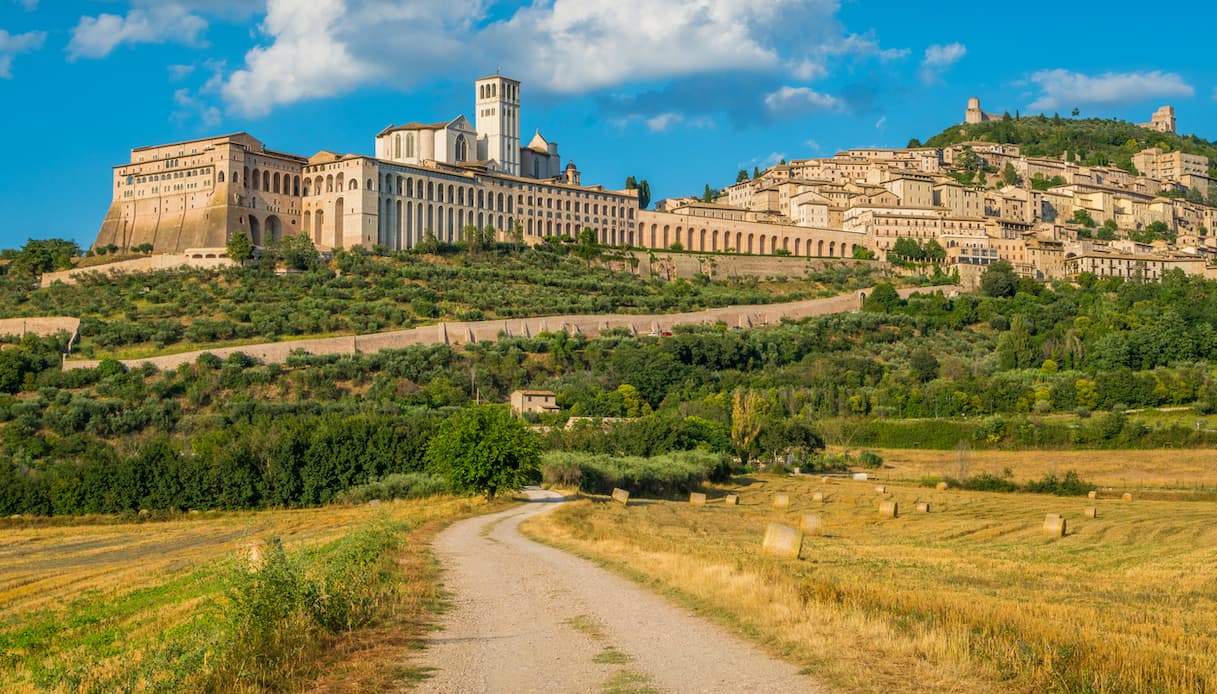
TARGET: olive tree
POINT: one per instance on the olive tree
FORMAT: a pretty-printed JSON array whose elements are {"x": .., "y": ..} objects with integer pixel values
[{"x": 485, "y": 449}]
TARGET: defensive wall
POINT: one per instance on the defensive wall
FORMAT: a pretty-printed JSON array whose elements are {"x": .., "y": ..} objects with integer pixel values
[
  {"x": 42, "y": 327},
  {"x": 668, "y": 265},
  {"x": 465, "y": 332},
  {"x": 152, "y": 263}
]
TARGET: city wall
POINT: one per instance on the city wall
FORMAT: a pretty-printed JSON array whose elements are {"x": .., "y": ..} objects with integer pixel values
[
  {"x": 42, "y": 327},
  {"x": 686, "y": 265},
  {"x": 150, "y": 263},
  {"x": 465, "y": 332}
]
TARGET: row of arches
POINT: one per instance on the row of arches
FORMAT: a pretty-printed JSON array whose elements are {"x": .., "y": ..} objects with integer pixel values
[
  {"x": 266, "y": 181},
  {"x": 262, "y": 232},
  {"x": 739, "y": 242}
]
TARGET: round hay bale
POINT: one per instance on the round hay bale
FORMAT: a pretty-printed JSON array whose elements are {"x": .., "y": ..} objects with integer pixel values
[
  {"x": 782, "y": 541},
  {"x": 1054, "y": 525},
  {"x": 923, "y": 507},
  {"x": 697, "y": 499},
  {"x": 889, "y": 509},
  {"x": 732, "y": 500},
  {"x": 1127, "y": 496},
  {"x": 942, "y": 486},
  {"x": 809, "y": 524},
  {"x": 1092, "y": 495},
  {"x": 818, "y": 497},
  {"x": 1092, "y": 512},
  {"x": 374, "y": 502},
  {"x": 881, "y": 489},
  {"x": 781, "y": 501}
]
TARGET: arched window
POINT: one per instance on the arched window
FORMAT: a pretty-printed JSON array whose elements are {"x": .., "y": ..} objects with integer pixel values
[
  {"x": 409, "y": 145},
  {"x": 397, "y": 145},
  {"x": 329, "y": 183},
  {"x": 296, "y": 185},
  {"x": 451, "y": 192},
  {"x": 409, "y": 187},
  {"x": 354, "y": 185},
  {"x": 460, "y": 196},
  {"x": 221, "y": 176},
  {"x": 246, "y": 176},
  {"x": 370, "y": 186},
  {"x": 257, "y": 181},
  {"x": 265, "y": 182},
  {"x": 276, "y": 186},
  {"x": 499, "y": 206},
  {"x": 306, "y": 186},
  {"x": 462, "y": 149},
  {"x": 481, "y": 198}
]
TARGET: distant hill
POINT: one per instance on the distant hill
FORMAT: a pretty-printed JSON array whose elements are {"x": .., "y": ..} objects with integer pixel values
[{"x": 1090, "y": 141}]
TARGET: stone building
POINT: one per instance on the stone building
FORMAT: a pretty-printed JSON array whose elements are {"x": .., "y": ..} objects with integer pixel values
[
  {"x": 1163, "y": 120},
  {"x": 424, "y": 178},
  {"x": 974, "y": 115}
]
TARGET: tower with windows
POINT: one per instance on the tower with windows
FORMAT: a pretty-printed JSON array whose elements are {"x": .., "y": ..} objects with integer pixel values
[{"x": 498, "y": 122}]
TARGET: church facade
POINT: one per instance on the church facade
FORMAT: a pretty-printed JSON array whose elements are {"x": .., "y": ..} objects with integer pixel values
[{"x": 425, "y": 178}]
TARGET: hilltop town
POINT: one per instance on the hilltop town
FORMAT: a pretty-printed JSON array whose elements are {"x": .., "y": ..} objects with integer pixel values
[{"x": 966, "y": 205}]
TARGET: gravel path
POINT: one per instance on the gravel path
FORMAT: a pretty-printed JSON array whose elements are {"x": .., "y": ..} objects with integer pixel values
[{"x": 530, "y": 618}]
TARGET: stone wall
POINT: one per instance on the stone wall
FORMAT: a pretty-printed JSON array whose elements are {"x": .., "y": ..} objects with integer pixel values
[
  {"x": 42, "y": 327},
  {"x": 686, "y": 265},
  {"x": 465, "y": 332},
  {"x": 150, "y": 263}
]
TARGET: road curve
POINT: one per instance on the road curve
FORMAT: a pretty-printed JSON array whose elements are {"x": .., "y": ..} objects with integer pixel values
[{"x": 530, "y": 618}]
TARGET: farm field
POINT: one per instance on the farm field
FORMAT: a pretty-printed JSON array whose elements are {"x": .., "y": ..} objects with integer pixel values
[
  {"x": 1187, "y": 469},
  {"x": 970, "y": 597},
  {"x": 136, "y": 605}
]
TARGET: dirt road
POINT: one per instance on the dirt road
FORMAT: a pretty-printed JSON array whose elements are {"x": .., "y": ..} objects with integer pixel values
[{"x": 530, "y": 618}]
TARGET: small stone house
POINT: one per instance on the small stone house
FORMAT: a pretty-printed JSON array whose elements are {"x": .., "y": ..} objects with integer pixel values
[{"x": 525, "y": 401}]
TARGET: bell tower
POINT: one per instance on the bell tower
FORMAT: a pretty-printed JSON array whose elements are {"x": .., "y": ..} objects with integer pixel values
[{"x": 498, "y": 122}]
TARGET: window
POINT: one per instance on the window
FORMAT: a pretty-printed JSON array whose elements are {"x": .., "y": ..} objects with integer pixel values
[{"x": 462, "y": 149}]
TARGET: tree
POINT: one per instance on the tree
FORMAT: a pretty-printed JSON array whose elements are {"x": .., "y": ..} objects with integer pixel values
[
  {"x": 756, "y": 173},
  {"x": 44, "y": 255},
  {"x": 298, "y": 252},
  {"x": 708, "y": 195},
  {"x": 1107, "y": 232},
  {"x": 1082, "y": 217},
  {"x": 863, "y": 253},
  {"x": 240, "y": 248},
  {"x": 999, "y": 280},
  {"x": 643, "y": 188},
  {"x": 588, "y": 248},
  {"x": 1076, "y": 112},
  {"x": 484, "y": 449},
  {"x": 924, "y": 364},
  {"x": 914, "y": 143},
  {"x": 741, "y": 176},
  {"x": 748, "y": 412},
  {"x": 883, "y": 299},
  {"x": 1009, "y": 175}
]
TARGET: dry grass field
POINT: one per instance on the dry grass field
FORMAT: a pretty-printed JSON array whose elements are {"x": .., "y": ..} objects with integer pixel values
[
  {"x": 1151, "y": 469},
  {"x": 106, "y": 607},
  {"x": 969, "y": 597}
]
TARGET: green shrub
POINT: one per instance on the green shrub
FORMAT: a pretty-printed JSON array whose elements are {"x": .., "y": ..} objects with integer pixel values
[
  {"x": 669, "y": 475},
  {"x": 871, "y": 460},
  {"x": 411, "y": 485}
]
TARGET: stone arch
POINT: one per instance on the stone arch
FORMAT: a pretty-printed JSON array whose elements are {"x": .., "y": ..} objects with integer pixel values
[
  {"x": 319, "y": 227},
  {"x": 339, "y": 183},
  {"x": 306, "y": 187},
  {"x": 308, "y": 223},
  {"x": 255, "y": 230},
  {"x": 714, "y": 240},
  {"x": 369, "y": 185},
  {"x": 739, "y": 242},
  {"x": 275, "y": 186},
  {"x": 274, "y": 228},
  {"x": 296, "y": 186},
  {"x": 820, "y": 248},
  {"x": 265, "y": 181},
  {"x": 353, "y": 185},
  {"x": 221, "y": 177},
  {"x": 654, "y": 229},
  {"x": 329, "y": 183},
  {"x": 760, "y": 244},
  {"x": 339, "y": 214},
  {"x": 702, "y": 245},
  {"x": 832, "y": 248},
  {"x": 750, "y": 239},
  {"x": 797, "y": 246},
  {"x": 665, "y": 236}
]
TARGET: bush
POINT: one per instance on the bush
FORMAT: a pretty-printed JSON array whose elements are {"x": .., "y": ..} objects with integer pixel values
[
  {"x": 669, "y": 475},
  {"x": 411, "y": 485},
  {"x": 871, "y": 460}
]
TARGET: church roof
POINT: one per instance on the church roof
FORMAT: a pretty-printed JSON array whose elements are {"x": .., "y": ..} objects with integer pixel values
[{"x": 415, "y": 125}]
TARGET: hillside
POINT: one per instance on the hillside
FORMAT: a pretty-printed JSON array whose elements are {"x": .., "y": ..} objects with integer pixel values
[{"x": 1089, "y": 141}]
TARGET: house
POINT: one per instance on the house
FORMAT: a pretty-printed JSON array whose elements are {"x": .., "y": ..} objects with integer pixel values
[{"x": 525, "y": 401}]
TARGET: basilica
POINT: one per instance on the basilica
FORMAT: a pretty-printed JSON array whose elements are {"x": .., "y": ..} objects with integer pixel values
[{"x": 425, "y": 178}]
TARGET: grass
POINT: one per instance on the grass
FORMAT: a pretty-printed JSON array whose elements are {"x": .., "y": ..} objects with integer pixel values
[
  {"x": 1152, "y": 469},
  {"x": 970, "y": 597},
  {"x": 142, "y": 606}
]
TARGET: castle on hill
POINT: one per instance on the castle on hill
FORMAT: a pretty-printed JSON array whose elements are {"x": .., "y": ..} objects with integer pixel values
[{"x": 1163, "y": 120}]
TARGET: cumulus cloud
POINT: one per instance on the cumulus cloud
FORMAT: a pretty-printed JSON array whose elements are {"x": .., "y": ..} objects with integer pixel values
[
  {"x": 14, "y": 44},
  {"x": 190, "y": 107},
  {"x": 938, "y": 58},
  {"x": 1065, "y": 89},
  {"x": 328, "y": 47},
  {"x": 153, "y": 21},
  {"x": 96, "y": 37},
  {"x": 799, "y": 100}
]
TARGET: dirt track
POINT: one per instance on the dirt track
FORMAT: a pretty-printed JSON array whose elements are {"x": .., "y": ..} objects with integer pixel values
[{"x": 530, "y": 618}]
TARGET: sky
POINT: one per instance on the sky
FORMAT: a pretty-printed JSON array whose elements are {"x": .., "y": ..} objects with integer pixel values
[{"x": 681, "y": 93}]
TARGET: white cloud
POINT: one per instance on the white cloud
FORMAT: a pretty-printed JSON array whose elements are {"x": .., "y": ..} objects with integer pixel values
[
  {"x": 190, "y": 107},
  {"x": 328, "y": 47},
  {"x": 14, "y": 44},
  {"x": 881, "y": 122},
  {"x": 96, "y": 37},
  {"x": 177, "y": 73},
  {"x": 793, "y": 100},
  {"x": 1065, "y": 89},
  {"x": 813, "y": 145},
  {"x": 938, "y": 58}
]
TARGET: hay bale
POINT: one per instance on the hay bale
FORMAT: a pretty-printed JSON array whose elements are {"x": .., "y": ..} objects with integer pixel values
[
  {"x": 1127, "y": 496},
  {"x": 942, "y": 486},
  {"x": 781, "y": 501},
  {"x": 923, "y": 507},
  {"x": 782, "y": 541},
  {"x": 809, "y": 524},
  {"x": 861, "y": 476},
  {"x": 621, "y": 496},
  {"x": 889, "y": 509},
  {"x": 818, "y": 497},
  {"x": 374, "y": 503},
  {"x": 881, "y": 489},
  {"x": 1092, "y": 495},
  {"x": 1092, "y": 512},
  {"x": 697, "y": 499},
  {"x": 824, "y": 479},
  {"x": 732, "y": 500},
  {"x": 1054, "y": 525}
]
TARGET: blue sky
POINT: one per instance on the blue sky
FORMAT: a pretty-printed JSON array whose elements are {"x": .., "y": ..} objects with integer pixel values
[{"x": 681, "y": 93}]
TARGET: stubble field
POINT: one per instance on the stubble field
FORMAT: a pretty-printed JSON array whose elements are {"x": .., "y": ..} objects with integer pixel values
[{"x": 969, "y": 597}]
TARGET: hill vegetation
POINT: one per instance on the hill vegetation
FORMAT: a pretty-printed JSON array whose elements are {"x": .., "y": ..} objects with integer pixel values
[
  {"x": 1024, "y": 366},
  {"x": 1088, "y": 141}
]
